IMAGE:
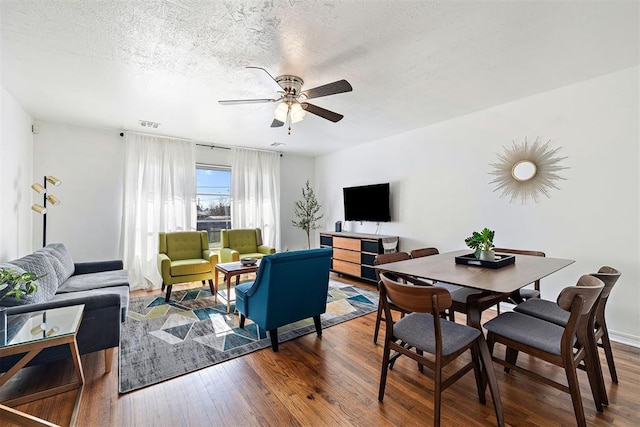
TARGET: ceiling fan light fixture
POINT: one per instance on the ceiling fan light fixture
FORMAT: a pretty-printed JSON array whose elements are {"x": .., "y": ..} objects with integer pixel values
[
  {"x": 281, "y": 111},
  {"x": 297, "y": 112}
]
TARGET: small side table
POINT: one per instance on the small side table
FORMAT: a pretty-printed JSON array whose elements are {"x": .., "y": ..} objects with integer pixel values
[
  {"x": 229, "y": 270},
  {"x": 32, "y": 333}
]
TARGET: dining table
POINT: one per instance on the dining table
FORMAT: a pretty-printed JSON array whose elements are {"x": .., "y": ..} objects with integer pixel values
[{"x": 503, "y": 281}]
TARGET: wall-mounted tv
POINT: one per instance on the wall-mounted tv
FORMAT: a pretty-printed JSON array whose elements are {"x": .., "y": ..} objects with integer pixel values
[{"x": 367, "y": 203}]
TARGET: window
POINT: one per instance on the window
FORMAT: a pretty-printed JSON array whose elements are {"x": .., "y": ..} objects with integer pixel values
[{"x": 213, "y": 200}]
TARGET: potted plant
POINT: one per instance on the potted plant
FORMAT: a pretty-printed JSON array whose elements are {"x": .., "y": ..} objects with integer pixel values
[
  {"x": 306, "y": 210},
  {"x": 20, "y": 284},
  {"x": 482, "y": 243}
]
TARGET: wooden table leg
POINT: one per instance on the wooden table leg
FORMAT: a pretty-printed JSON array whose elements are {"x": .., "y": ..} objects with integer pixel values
[{"x": 228, "y": 278}]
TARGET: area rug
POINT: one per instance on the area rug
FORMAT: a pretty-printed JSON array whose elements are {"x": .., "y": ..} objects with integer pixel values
[{"x": 160, "y": 340}]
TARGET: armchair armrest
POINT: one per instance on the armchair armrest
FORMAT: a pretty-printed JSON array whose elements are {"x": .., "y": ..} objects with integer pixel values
[
  {"x": 263, "y": 249},
  {"x": 211, "y": 256},
  {"x": 164, "y": 266},
  {"x": 97, "y": 266},
  {"x": 229, "y": 255}
]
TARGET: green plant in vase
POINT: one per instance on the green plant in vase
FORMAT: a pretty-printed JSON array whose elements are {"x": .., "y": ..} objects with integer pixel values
[
  {"x": 482, "y": 243},
  {"x": 19, "y": 283}
]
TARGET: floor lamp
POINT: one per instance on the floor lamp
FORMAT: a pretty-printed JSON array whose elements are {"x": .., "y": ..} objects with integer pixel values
[{"x": 42, "y": 209}]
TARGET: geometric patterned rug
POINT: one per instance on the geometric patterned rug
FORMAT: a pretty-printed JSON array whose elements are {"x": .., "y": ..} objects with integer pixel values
[{"x": 160, "y": 340}]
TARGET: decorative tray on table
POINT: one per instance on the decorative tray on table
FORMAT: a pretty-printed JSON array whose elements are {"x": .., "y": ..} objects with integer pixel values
[
  {"x": 249, "y": 262},
  {"x": 500, "y": 261}
]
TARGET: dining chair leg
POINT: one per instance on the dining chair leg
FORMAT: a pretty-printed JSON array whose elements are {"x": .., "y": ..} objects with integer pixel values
[
  {"x": 574, "y": 390},
  {"x": 511, "y": 357},
  {"x": 606, "y": 345},
  {"x": 594, "y": 373},
  {"x": 437, "y": 393},
  {"x": 384, "y": 370},
  {"x": 491, "y": 379},
  {"x": 477, "y": 370},
  {"x": 378, "y": 320}
]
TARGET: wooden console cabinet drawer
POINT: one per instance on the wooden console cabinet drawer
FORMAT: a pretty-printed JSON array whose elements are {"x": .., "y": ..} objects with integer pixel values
[
  {"x": 354, "y": 253},
  {"x": 346, "y": 267},
  {"x": 347, "y": 243},
  {"x": 345, "y": 255}
]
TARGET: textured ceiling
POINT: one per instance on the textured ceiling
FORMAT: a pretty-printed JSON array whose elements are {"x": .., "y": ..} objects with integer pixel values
[{"x": 109, "y": 64}]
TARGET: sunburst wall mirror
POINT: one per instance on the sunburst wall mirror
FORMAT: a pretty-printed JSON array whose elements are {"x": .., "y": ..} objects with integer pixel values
[{"x": 527, "y": 170}]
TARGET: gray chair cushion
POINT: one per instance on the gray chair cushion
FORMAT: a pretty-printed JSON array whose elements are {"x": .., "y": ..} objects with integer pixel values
[
  {"x": 448, "y": 286},
  {"x": 528, "y": 330},
  {"x": 39, "y": 264},
  {"x": 545, "y": 310},
  {"x": 86, "y": 282},
  {"x": 460, "y": 295},
  {"x": 416, "y": 329},
  {"x": 529, "y": 293}
]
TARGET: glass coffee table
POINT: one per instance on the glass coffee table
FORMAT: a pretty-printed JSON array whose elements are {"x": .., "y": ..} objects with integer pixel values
[{"x": 31, "y": 333}]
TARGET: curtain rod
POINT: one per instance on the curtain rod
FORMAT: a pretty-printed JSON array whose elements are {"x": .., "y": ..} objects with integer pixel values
[
  {"x": 173, "y": 137},
  {"x": 197, "y": 143}
]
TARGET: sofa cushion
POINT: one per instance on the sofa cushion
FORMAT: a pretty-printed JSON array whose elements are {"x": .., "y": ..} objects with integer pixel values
[
  {"x": 58, "y": 268},
  {"x": 47, "y": 285},
  {"x": 60, "y": 252},
  {"x": 187, "y": 267},
  {"x": 121, "y": 291},
  {"x": 87, "y": 282}
]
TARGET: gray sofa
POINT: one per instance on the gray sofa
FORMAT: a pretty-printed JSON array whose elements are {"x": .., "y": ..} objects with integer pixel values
[{"x": 103, "y": 287}]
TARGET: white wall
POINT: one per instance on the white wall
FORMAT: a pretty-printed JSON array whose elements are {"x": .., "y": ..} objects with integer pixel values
[
  {"x": 16, "y": 174},
  {"x": 90, "y": 164},
  {"x": 441, "y": 193}
]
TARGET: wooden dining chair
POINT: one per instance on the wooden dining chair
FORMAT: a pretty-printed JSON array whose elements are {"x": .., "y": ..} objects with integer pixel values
[
  {"x": 551, "y": 312},
  {"x": 385, "y": 259},
  {"x": 461, "y": 296},
  {"x": 563, "y": 346},
  {"x": 433, "y": 342}
]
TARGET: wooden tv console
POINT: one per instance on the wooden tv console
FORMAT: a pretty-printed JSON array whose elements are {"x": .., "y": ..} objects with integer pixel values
[{"x": 354, "y": 253}]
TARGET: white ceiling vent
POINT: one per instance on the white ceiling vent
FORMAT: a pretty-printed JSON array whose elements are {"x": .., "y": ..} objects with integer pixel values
[
  {"x": 148, "y": 124},
  {"x": 277, "y": 144}
]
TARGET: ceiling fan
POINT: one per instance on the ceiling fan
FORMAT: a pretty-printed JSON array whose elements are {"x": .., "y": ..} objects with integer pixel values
[{"x": 292, "y": 99}]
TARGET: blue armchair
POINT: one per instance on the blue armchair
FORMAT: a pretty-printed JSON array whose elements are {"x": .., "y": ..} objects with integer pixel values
[{"x": 289, "y": 286}]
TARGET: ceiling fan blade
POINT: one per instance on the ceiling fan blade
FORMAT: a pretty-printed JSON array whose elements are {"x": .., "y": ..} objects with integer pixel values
[
  {"x": 276, "y": 123},
  {"x": 247, "y": 101},
  {"x": 340, "y": 86},
  {"x": 270, "y": 80},
  {"x": 319, "y": 111}
]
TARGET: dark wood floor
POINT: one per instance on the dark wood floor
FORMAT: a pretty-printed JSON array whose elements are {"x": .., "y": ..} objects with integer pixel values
[{"x": 329, "y": 381}]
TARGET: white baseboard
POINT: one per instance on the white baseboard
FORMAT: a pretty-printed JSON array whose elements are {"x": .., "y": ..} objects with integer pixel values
[
  {"x": 623, "y": 338},
  {"x": 619, "y": 337}
]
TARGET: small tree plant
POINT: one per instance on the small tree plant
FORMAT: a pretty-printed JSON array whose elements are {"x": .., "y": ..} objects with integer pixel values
[{"x": 307, "y": 211}]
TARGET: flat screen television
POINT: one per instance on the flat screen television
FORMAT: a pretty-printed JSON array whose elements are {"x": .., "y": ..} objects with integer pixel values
[{"x": 367, "y": 203}]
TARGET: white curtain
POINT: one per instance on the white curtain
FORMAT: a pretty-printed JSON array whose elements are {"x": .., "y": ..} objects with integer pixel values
[
  {"x": 255, "y": 193},
  {"x": 159, "y": 195}
]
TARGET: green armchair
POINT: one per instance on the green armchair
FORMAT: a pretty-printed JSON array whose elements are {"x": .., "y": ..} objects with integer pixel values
[
  {"x": 184, "y": 256},
  {"x": 242, "y": 243}
]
